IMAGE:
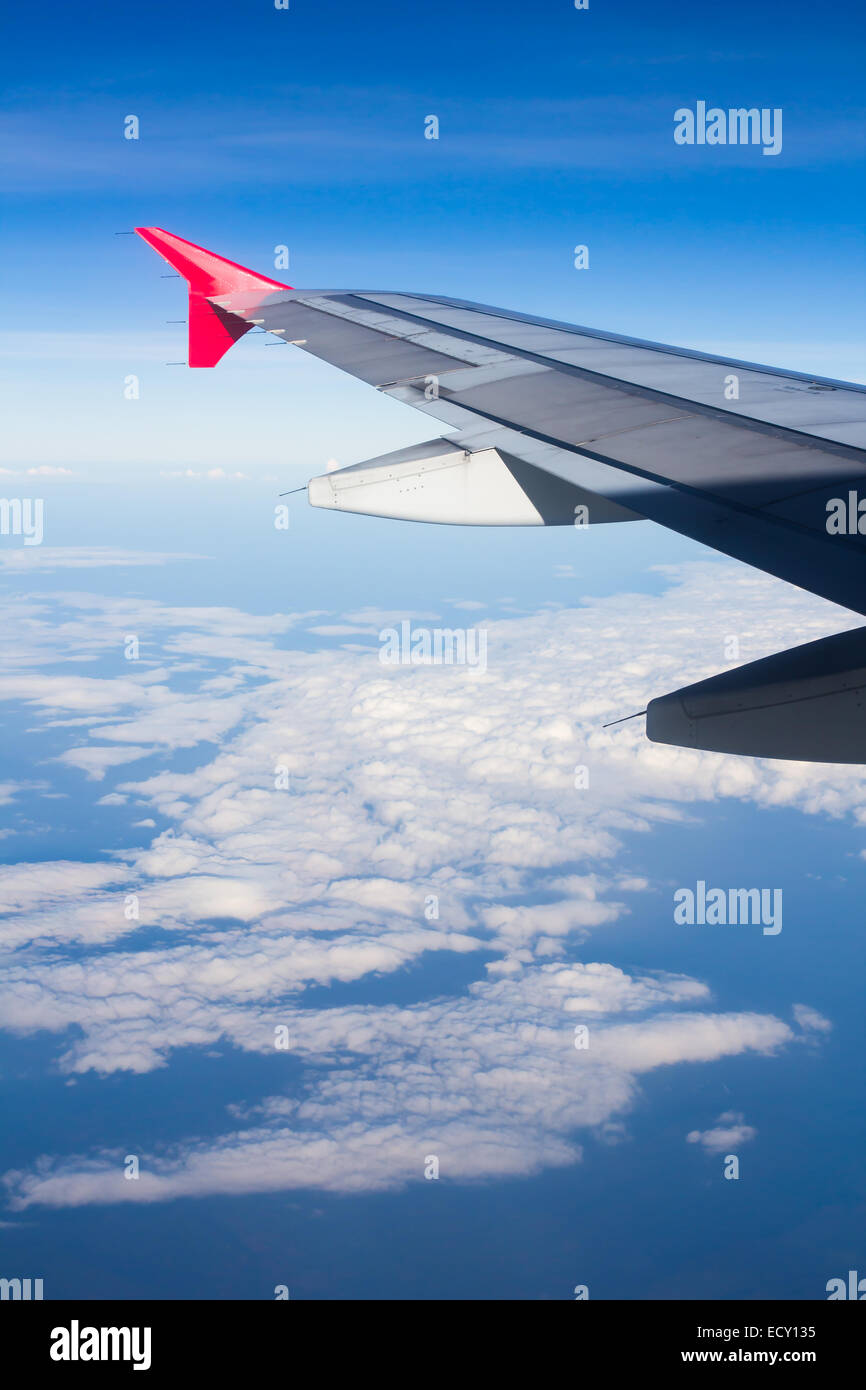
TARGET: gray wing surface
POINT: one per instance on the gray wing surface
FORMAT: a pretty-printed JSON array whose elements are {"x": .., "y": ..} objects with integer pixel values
[
  {"x": 547, "y": 422},
  {"x": 742, "y": 458}
]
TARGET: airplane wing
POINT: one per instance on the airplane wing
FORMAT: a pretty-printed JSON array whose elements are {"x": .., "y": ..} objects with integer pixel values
[{"x": 551, "y": 424}]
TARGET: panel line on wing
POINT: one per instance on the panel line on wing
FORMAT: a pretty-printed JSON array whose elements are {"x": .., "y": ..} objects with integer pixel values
[{"x": 842, "y": 450}]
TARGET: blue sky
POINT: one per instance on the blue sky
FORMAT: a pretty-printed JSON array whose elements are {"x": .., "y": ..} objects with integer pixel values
[
  {"x": 155, "y": 1036},
  {"x": 305, "y": 128}
]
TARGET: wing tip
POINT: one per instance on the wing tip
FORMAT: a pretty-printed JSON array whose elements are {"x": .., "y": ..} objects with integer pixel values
[{"x": 213, "y": 328}]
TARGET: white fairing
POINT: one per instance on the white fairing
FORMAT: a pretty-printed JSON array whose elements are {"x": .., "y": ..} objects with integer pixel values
[
  {"x": 431, "y": 482},
  {"x": 451, "y": 482}
]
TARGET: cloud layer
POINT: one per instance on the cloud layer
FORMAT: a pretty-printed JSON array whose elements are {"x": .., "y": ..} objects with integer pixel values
[{"x": 345, "y": 820}]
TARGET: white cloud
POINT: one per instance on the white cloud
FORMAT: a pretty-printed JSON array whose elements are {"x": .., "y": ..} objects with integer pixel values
[
  {"x": 810, "y": 1020},
  {"x": 727, "y": 1135},
  {"x": 492, "y": 1084},
  {"x": 95, "y": 762},
  {"x": 403, "y": 784},
  {"x": 82, "y": 557},
  {"x": 212, "y": 475}
]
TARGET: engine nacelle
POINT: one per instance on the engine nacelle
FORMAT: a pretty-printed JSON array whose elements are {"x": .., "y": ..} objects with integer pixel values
[{"x": 808, "y": 704}]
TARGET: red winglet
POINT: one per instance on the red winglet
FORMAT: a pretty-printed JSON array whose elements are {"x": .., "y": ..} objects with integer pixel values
[{"x": 212, "y": 328}]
